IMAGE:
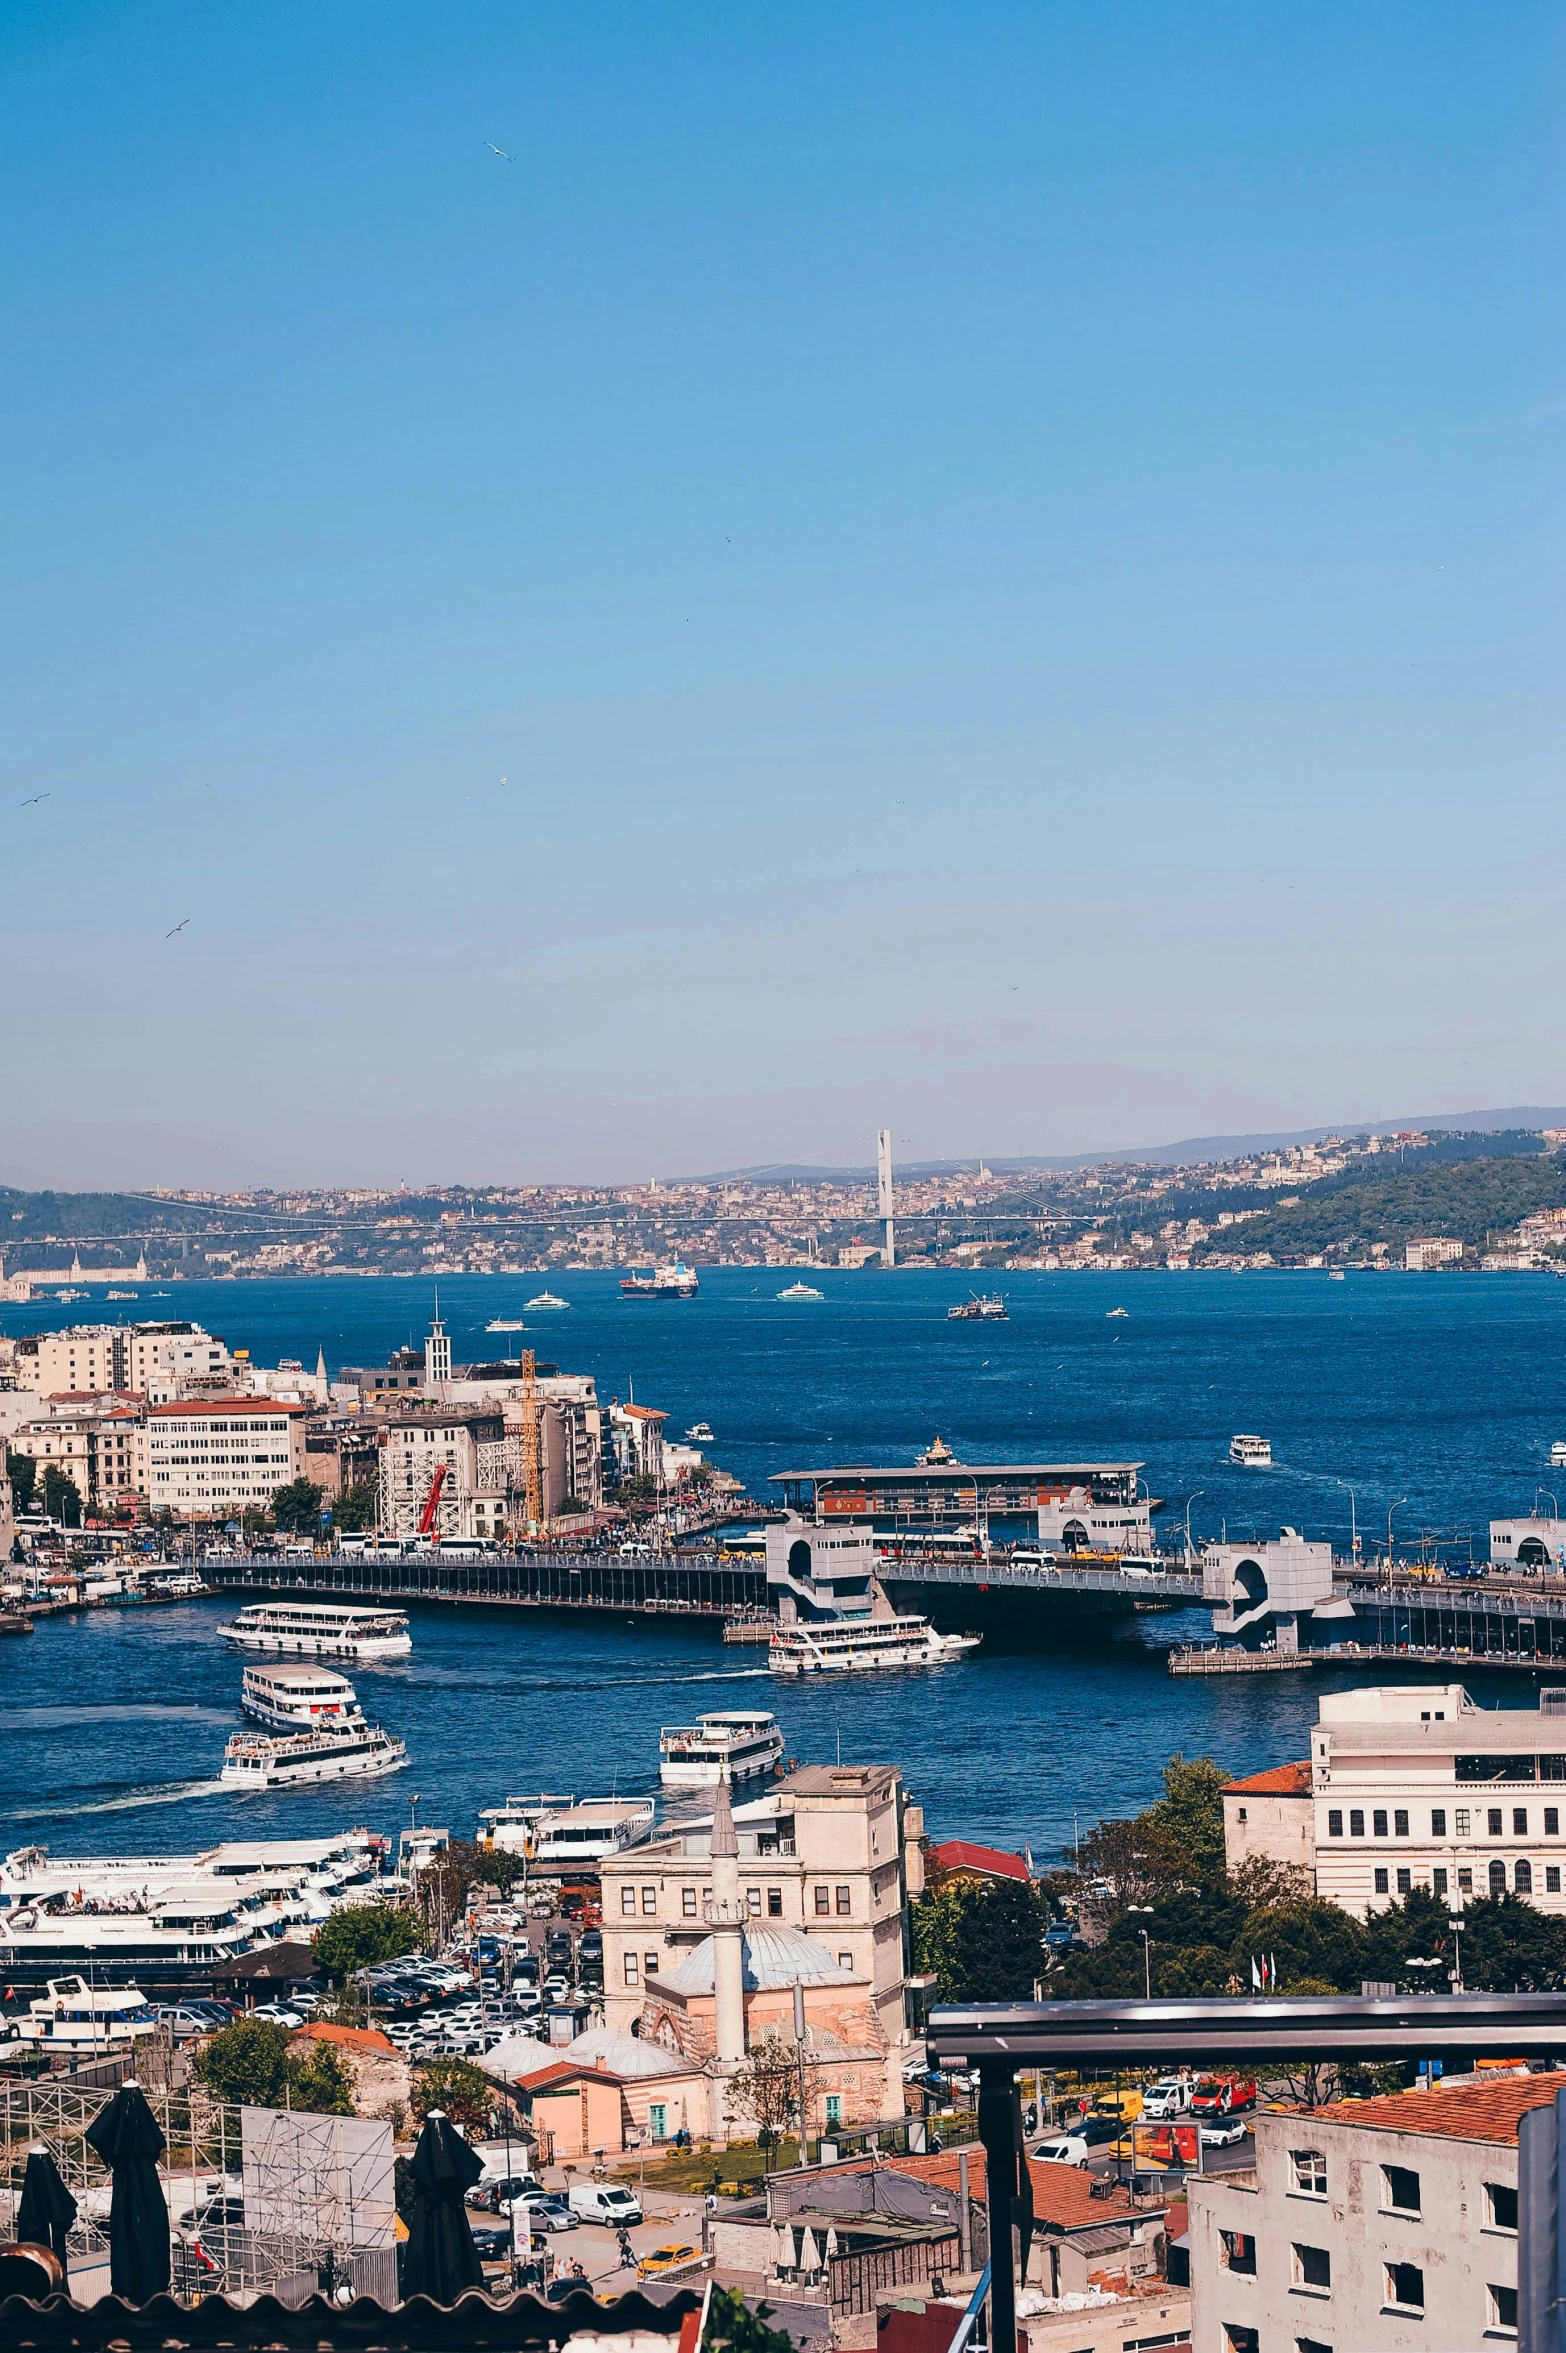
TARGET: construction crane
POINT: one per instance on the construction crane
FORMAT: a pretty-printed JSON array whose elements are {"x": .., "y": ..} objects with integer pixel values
[
  {"x": 532, "y": 1482},
  {"x": 432, "y": 1504}
]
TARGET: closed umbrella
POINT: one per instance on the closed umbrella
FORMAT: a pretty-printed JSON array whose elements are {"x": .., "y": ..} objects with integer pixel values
[
  {"x": 809, "y": 2254},
  {"x": 441, "y": 2260},
  {"x": 47, "y": 2209},
  {"x": 785, "y": 2250},
  {"x": 125, "y": 2135},
  {"x": 831, "y": 2241}
]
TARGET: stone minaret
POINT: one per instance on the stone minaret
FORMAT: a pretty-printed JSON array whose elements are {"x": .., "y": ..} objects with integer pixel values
[{"x": 726, "y": 1919}]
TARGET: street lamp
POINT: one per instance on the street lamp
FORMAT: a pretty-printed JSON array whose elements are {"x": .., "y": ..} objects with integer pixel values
[
  {"x": 1190, "y": 1499},
  {"x": 1402, "y": 1499},
  {"x": 1353, "y": 1519},
  {"x": 1146, "y": 1935}
]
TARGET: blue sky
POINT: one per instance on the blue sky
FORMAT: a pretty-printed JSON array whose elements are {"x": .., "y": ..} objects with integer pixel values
[{"x": 1008, "y": 558}]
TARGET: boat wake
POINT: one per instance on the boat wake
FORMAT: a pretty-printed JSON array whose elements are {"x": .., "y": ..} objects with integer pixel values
[
  {"x": 39, "y": 1718},
  {"x": 172, "y": 1795}
]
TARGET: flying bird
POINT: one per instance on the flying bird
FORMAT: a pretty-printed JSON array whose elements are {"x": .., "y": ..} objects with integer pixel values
[
  {"x": 168, "y": 935},
  {"x": 500, "y": 151},
  {"x": 33, "y": 801}
]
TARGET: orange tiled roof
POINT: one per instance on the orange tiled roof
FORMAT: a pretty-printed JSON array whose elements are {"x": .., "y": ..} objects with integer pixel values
[
  {"x": 961, "y": 1854},
  {"x": 1061, "y": 2193},
  {"x": 1277, "y": 1781},
  {"x": 352, "y": 2038},
  {"x": 1460, "y": 2111}
]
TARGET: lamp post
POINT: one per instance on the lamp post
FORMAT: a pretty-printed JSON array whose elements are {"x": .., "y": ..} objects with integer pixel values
[
  {"x": 1353, "y": 1520},
  {"x": 1402, "y": 1499},
  {"x": 1190, "y": 1499}
]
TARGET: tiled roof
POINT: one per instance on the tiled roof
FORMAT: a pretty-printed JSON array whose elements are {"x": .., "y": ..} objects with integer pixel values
[
  {"x": 1277, "y": 1781},
  {"x": 960, "y": 1854},
  {"x": 351, "y": 2038},
  {"x": 564, "y": 2071},
  {"x": 1062, "y": 2194},
  {"x": 1460, "y": 2111}
]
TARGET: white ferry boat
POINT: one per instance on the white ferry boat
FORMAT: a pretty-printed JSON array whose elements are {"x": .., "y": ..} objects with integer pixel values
[
  {"x": 985, "y": 1307},
  {"x": 275, "y": 1760},
  {"x": 299, "y": 1699},
  {"x": 1558, "y": 1455},
  {"x": 729, "y": 1744},
  {"x": 547, "y": 1304},
  {"x": 502, "y": 1323},
  {"x": 75, "y": 2017},
  {"x": 801, "y": 1291},
  {"x": 839, "y": 1646},
  {"x": 320, "y": 1630},
  {"x": 1254, "y": 1454},
  {"x": 700, "y": 1434},
  {"x": 555, "y": 1832}
]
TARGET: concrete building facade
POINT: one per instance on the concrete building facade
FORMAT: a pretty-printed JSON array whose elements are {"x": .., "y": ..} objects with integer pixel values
[
  {"x": 1271, "y": 1818},
  {"x": 207, "y": 1459},
  {"x": 95, "y": 1441},
  {"x": 416, "y": 1441}
]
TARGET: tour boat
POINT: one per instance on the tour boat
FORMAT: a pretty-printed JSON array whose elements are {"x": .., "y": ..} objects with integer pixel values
[
  {"x": 986, "y": 1307},
  {"x": 677, "y": 1281},
  {"x": 299, "y": 1699},
  {"x": 85, "y": 2020},
  {"x": 729, "y": 1744},
  {"x": 275, "y": 1760},
  {"x": 700, "y": 1433},
  {"x": 801, "y": 1291},
  {"x": 861, "y": 1645},
  {"x": 320, "y": 1630},
  {"x": 502, "y": 1323},
  {"x": 1254, "y": 1454},
  {"x": 1558, "y": 1455},
  {"x": 546, "y": 1304}
]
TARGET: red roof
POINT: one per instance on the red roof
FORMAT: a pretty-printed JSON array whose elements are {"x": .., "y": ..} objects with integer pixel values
[
  {"x": 1277, "y": 1781},
  {"x": 960, "y": 1854},
  {"x": 1482, "y": 2111},
  {"x": 351, "y": 2038},
  {"x": 555, "y": 2078},
  {"x": 1061, "y": 2193}
]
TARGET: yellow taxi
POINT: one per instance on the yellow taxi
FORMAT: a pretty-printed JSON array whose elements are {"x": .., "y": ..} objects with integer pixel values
[{"x": 667, "y": 2258}]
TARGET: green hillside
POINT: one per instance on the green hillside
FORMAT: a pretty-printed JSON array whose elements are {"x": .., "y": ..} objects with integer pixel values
[{"x": 1470, "y": 1199}]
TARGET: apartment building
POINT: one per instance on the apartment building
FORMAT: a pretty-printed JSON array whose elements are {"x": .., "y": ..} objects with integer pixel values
[
  {"x": 1416, "y": 1786},
  {"x": 95, "y": 1441},
  {"x": 636, "y": 1434},
  {"x": 134, "y": 1358},
  {"x": 832, "y": 1855},
  {"x": 418, "y": 1441},
  {"x": 1431, "y": 1250},
  {"x": 204, "y": 1459},
  {"x": 1367, "y": 2226}
]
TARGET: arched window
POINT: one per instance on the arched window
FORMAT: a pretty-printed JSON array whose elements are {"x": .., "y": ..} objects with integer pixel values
[
  {"x": 799, "y": 1559},
  {"x": 1498, "y": 1879},
  {"x": 1523, "y": 1878},
  {"x": 1531, "y": 1554}
]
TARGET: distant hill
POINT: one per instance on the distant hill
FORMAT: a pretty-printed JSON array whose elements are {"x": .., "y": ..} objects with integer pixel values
[{"x": 1469, "y": 1199}]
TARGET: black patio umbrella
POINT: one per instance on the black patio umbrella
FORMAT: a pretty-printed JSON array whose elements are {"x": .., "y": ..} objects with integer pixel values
[
  {"x": 441, "y": 2259},
  {"x": 47, "y": 2209},
  {"x": 125, "y": 2135}
]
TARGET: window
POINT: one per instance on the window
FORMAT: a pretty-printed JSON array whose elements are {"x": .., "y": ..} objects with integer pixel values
[
  {"x": 1240, "y": 2340},
  {"x": 1438, "y": 1879},
  {"x": 658, "y": 2119},
  {"x": 845, "y": 1960},
  {"x": 1494, "y": 1817},
  {"x": 1244, "y": 1816},
  {"x": 774, "y": 1903},
  {"x": 1519, "y": 1821},
  {"x": 1313, "y": 2269},
  {"x": 845, "y": 1899},
  {"x": 1522, "y": 1878},
  {"x": 1400, "y": 1822},
  {"x": 627, "y": 1899},
  {"x": 1496, "y": 1769},
  {"x": 650, "y": 1964},
  {"x": 1399, "y": 2190},
  {"x": 1378, "y": 1822},
  {"x": 1552, "y": 1821},
  {"x": 823, "y": 1899},
  {"x": 1334, "y": 1821},
  {"x": 688, "y": 1902},
  {"x": 1310, "y": 2345},
  {"x": 1356, "y": 1823},
  {"x": 1381, "y": 1883},
  {"x": 1404, "y": 1882},
  {"x": 1405, "y": 2287},
  {"x": 834, "y": 2109},
  {"x": 1500, "y": 2206},
  {"x": 753, "y": 1902},
  {"x": 1465, "y": 1877},
  {"x": 1552, "y": 1879},
  {"x": 1310, "y": 2172},
  {"x": 1503, "y": 2311},
  {"x": 1238, "y": 2251},
  {"x": 1460, "y": 1819},
  {"x": 1498, "y": 1879},
  {"x": 630, "y": 1969},
  {"x": 649, "y": 1899}
]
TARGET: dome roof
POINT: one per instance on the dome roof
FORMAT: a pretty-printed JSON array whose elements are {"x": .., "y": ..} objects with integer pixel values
[
  {"x": 519, "y": 2055},
  {"x": 773, "y": 1956}
]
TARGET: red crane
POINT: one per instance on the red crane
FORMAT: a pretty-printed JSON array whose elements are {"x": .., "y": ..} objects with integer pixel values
[{"x": 432, "y": 1502}]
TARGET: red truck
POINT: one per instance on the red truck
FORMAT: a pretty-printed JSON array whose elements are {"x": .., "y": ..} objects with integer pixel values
[{"x": 1223, "y": 2095}]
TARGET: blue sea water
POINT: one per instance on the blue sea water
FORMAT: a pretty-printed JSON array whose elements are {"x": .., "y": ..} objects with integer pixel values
[{"x": 1442, "y": 1391}]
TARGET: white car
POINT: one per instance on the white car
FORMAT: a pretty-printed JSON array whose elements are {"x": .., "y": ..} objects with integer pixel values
[
  {"x": 1070, "y": 2149},
  {"x": 1223, "y": 2132},
  {"x": 1170, "y": 2097},
  {"x": 277, "y": 2014}
]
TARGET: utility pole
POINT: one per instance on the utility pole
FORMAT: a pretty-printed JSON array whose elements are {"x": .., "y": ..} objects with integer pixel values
[
  {"x": 532, "y": 1485},
  {"x": 799, "y": 2053},
  {"x": 883, "y": 1170}
]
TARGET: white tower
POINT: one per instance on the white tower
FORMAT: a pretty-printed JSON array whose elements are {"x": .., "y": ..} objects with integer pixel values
[
  {"x": 883, "y": 1171},
  {"x": 726, "y": 1919},
  {"x": 437, "y": 1351}
]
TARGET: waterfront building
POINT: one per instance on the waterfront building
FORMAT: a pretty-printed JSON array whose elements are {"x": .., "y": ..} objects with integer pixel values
[
  {"x": 95, "y": 1441},
  {"x": 1414, "y": 1786},
  {"x": 1431, "y": 1250},
  {"x": 637, "y": 1436},
  {"x": 1378, "y": 2224},
  {"x": 1061, "y": 1506},
  {"x": 1535, "y": 1542},
  {"x": 1273, "y": 1592},
  {"x": 206, "y": 1459},
  {"x": 135, "y": 1358},
  {"x": 469, "y": 1445}
]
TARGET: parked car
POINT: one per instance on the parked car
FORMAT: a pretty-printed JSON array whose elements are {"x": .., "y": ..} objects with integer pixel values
[
  {"x": 546, "y": 2209},
  {"x": 278, "y": 2014},
  {"x": 182, "y": 2021},
  {"x": 496, "y": 2197},
  {"x": 1071, "y": 2148},
  {"x": 1222, "y": 2133},
  {"x": 605, "y": 2201},
  {"x": 491, "y": 2240},
  {"x": 1171, "y": 2096}
]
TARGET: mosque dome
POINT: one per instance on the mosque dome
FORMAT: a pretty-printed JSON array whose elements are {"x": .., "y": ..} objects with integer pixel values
[{"x": 773, "y": 1956}]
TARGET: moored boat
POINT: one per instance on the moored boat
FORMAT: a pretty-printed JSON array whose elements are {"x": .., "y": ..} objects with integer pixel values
[{"x": 85, "y": 2020}]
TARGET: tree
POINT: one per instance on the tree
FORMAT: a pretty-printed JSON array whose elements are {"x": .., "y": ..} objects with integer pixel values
[
  {"x": 62, "y": 1498},
  {"x": 463, "y": 2091},
  {"x": 733, "y": 2327},
  {"x": 1186, "y": 1825},
  {"x": 297, "y": 1507},
  {"x": 22, "y": 1472},
  {"x": 1312, "y": 1939},
  {"x": 362, "y": 1934},
  {"x": 999, "y": 1946},
  {"x": 357, "y": 1508},
  {"x": 250, "y": 2064},
  {"x": 935, "y": 1921},
  {"x": 1508, "y": 1947},
  {"x": 766, "y": 2090}
]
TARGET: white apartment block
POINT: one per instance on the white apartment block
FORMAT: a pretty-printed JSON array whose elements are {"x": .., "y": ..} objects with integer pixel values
[
  {"x": 205, "y": 1458},
  {"x": 470, "y": 1447},
  {"x": 97, "y": 1359},
  {"x": 1415, "y": 1786},
  {"x": 1367, "y": 2226},
  {"x": 1431, "y": 1250}
]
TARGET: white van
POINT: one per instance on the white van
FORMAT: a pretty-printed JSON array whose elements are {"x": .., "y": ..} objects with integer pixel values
[{"x": 605, "y": 2201}]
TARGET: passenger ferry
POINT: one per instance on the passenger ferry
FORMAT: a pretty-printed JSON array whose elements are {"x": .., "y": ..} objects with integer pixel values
[
  {"x": 85, "y": 2020},
  {"x": 555, "y": 1832},
  {"x": 1253, "y": 1454},
  {"x": 299, "y": 1699},
  {"x": 273, "y": 1760},
  {"x": 321, "y": 1631},
  {"x": 840, "y": 1646},
  {"x": 729, "y": 1744},
  {"x": 547, "y": 1304},
  {"x": 801, "y": 1291},
  {"x": 987, "y": 1307}
]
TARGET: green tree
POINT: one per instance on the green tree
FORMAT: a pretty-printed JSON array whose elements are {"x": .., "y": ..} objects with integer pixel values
[
  {"x": 62, "y": 1499},
  {"x": 361, "y": 1934},
  {"x": 1186, "y": 1825},
  {"x": 765, "y": 2092},
  {"x": 935, "y": 1920},
  {"x": 356, "y": 1508},
  {"x": 463, "y": 2091},
  {"x": 734, "y": 2327},
  {"x": 1508, "y": 1947},
  {"x": 999, "y": 1946},
  {"x": 250, "y": 2064},
  {"x": 297, "y": 1507},
  {"x": 22, "y": 1472},
  {"x": 1311, "y": 1939}
]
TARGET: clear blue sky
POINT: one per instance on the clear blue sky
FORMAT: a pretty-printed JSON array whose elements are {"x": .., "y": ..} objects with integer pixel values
[{"x": 1009, "y": 557}]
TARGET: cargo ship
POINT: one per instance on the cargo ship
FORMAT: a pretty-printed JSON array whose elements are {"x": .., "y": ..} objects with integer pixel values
[{"x": 676, "y": 1281}]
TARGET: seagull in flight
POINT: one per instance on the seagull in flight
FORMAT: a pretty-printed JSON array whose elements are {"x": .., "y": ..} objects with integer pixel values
[
  {"x": 33, "y": 801},
  {"x": 168, "y": 935},
  {"x": 500, "y": 151}
]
